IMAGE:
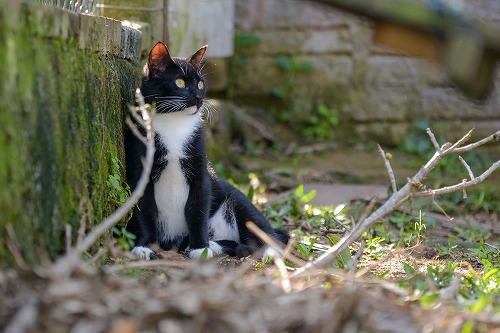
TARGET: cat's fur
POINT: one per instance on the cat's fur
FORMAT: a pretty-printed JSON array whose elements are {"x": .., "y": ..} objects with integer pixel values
[{"x": 185, "y": 205}]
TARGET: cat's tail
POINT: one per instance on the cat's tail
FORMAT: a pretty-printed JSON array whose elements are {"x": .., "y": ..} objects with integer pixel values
[{"x": 281, "y": 235}]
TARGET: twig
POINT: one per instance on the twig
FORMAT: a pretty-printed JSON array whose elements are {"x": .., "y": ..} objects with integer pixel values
[
  {"x": 460, "y": 142},
  {"x": 433, "y": 140},
  {"x": 389, "y": 169},
  {"x": 467, "y": 167},
  {"x": 354, "y": 261},
  {"x": 441, "y": 209},
  {"x": 67, "y": 231},
  {"x": 460, "y": 186},
  {"x": 494, "y": 137},
  {"x": 65, "y": 264},
  {"x": 156, "y": 264},
  {"x": 284, "y": 279},
  {"x": 271, "y": 242}
]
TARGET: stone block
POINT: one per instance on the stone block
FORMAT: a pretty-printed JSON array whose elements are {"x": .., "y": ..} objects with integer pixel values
[
  {"x": 382, "y": 104},
  {"x": 330, "y": 71},
  {"x": 145, "y": 29},
  {"x": 287, "y": 14},
  {"x": 327, "y": 41},
  {"x": 100, "y": 34},
  {"x": 386, "y": 71},
  {"x": 130, "y": 43},
  {"x": 52, "y": 22},
  {"x": 260, "y": 75},
  {"x": 300, "y": 42},
  {"x": 384, "y": 133},
  {"x": 447, "y": 103},
  {"x": 150, "y": 11}
]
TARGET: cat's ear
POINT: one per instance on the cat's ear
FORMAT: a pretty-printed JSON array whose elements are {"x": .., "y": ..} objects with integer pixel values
[
  {"x": 196, "y": 58},
  {"x": 159, "y": 59}
]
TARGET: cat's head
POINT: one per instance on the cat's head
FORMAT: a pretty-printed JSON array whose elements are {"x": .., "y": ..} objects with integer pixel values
[{"x": 175, "y": 84}]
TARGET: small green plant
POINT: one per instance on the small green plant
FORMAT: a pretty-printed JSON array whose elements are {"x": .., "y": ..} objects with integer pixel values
[
  {"x": 241, "y": 41},
  {"x": 119, "y": 191},
  {"x": 291, "y": 66},
  {"x": 376, "y": 247},
  {"x": 482, "y": 291},
  {"x": 486, "y": 251},
  {"x": 292, "y": 206},
  {"x": 411, "y": 232},
  {"x": 445, "y": 250},
  {"x": 125, "y": 240},
  {"x": 306, "y": 249},
  {"x": 320, "y": 125}
]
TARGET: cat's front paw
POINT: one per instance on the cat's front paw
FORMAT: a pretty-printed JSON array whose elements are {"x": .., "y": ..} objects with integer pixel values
[
  {"x": 269, "y": 254},
  {"x": 144, "y": 253},
  {"x": 215, "y": 247},
  {"x": 205, "y": 253}
]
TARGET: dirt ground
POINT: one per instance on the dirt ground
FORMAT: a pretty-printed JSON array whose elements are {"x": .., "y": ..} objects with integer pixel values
[{"x": 174, "y": 294}]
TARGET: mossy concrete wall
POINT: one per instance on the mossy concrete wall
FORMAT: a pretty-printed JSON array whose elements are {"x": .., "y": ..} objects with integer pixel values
[{"x": 66, "y": 81}]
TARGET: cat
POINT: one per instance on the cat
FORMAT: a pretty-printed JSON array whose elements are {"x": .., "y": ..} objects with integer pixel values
[{"x": 185, "y": 205}]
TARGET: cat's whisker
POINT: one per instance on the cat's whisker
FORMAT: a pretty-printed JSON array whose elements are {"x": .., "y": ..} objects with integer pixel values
[{"x": 208, "y": 109}]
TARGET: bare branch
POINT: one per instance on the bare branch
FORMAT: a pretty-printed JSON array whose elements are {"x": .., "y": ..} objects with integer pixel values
[
  {"x": 389, "y": 169},
  {"x": 458, "y": 187},
  {"x": 494, "y": 137},
  {"x": 284, "y": 279},
  {"x": 354, "y": 261},
  {"x": 65, "y": 264},
  {"x": 134, "y": 130},
  {"x": 460, "y": 142},
  {"x": 414, "y": 188}
]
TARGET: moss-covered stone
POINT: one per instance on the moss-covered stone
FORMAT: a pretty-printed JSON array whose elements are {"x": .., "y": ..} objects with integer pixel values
[{"x": 61, "y": 112}]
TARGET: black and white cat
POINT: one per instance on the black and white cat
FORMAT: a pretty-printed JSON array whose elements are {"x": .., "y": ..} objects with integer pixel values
[{"x": 185, "y": 205}]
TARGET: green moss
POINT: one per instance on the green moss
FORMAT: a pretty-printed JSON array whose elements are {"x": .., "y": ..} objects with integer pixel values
[{"x": 61, "y": 113}]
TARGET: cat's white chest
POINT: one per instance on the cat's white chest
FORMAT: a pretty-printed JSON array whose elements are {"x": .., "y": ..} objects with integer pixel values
[{"x": 171, "y": 189}]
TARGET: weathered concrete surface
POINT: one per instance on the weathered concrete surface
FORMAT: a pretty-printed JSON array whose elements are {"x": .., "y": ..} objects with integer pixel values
[
  {"x": 337, "y": 194},
  {"x": 64, "y": 90}
]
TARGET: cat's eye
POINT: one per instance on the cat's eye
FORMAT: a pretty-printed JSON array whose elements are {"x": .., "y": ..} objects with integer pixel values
[
  {"x": 180, "y": 83},
  {"x": 201, "y": 85}
]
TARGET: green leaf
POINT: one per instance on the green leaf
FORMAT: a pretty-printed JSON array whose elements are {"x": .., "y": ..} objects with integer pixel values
[
  {"x": 299, "y": 191},
  {"x": 308, "y": 197},
  {"x": 410, "y": 271},
  {"x": 204, "y": 254},
  {"x": 246, "y": 40},
  {"x": 279, "y": 92},
  {"x": 283, "y": 63},
  {"x": 250, "y": 193}
]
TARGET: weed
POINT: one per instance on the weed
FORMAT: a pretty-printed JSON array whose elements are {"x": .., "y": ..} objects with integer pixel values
[
  {"x": 291, "y": 65},
  {"x": 291, "y": 206},
  {"x": 486, "y": 251},
  {"x": 125, "y": 239},
  {"x": 320, "y": 125},
  {"x": 306, "y": 249},
  {"x": 445, "y": 251},
  {"x": 119, "y": 191}
]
